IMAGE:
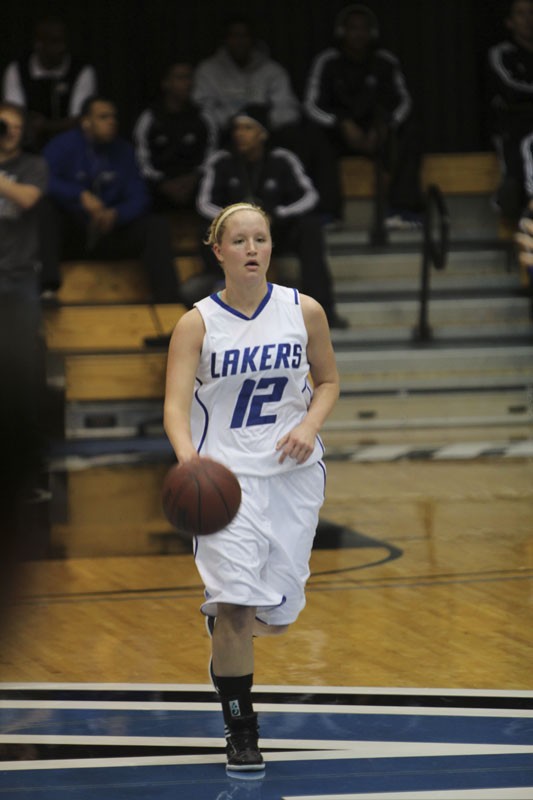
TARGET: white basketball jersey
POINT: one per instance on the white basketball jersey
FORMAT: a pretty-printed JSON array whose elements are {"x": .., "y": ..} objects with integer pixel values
[{"x": 252, "y": 383}]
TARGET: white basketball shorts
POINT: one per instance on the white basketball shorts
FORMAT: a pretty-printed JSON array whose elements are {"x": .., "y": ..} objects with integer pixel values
[{"x": 262, "y": 558}]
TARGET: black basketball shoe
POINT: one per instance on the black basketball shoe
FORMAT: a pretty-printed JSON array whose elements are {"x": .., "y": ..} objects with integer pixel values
[{"x": 242, "y": 750}]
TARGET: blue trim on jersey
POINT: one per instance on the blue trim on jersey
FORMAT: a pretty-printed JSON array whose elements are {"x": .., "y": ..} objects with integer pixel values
[
  {"x": 324, "y": 471},
  {"x": 282, "y": 603},
  {"x": 236, "y": 313},
  {"x": 307, "y": 388},
  {"x": 206, "y": 425}
]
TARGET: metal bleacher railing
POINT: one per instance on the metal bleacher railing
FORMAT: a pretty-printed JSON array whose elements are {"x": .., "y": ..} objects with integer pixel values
[{"x": 435, "y": 247}]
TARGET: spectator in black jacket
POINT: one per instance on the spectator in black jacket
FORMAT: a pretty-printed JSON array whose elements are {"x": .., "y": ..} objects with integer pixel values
[
  {"x": 274, "y": 179},
  {"x": 50, "y": 83},
  {"x": 357, "y": 92},
  {"x": 510, "y": 89},
  {"x": 173, "y": 139},
  {"x": 241, "y": 72}
]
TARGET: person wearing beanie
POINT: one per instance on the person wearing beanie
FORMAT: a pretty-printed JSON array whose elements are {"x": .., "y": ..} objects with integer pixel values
[{"x": 274, "y": 178}]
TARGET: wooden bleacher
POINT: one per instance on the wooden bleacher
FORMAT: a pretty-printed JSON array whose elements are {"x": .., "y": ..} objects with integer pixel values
[
  {"x": 457, "y": 173},
  {"x": 105, "y": 312},
  {"x": 114, "y": 376},
  {"x": 102, "y": 282},
  {"x": 103, "y": 351}
]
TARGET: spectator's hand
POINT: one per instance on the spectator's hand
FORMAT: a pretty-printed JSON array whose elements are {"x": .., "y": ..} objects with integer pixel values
[
  {"x": 179, "y": 191},
  {"x": 37, "y": 123},
  {"x": 5, "y": 183},
  {"x": 105, "y": 219},
  {"x": 356, "y": 138},
  {"x": 524, "y": 240},
  {"x": 91, "y": 203},
  {"x": 375, "y": 138}
]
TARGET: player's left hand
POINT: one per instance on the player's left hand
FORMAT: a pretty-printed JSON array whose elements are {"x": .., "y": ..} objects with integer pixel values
[{"x": 298, "y": 444}]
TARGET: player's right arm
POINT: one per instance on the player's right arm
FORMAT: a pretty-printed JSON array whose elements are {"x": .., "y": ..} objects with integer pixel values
[{"x": 182, "y": 364}]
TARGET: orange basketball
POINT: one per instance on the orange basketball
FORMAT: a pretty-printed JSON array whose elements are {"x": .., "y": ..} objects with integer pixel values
[{"x": 200, "y": 497}]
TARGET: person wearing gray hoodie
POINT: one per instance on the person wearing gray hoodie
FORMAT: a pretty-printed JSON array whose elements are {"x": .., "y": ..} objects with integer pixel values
[{"x": 241, "y": 72}]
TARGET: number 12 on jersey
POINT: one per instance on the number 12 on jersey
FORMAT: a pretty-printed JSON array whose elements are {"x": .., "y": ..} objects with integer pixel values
[{"x": 252, "y": 397}]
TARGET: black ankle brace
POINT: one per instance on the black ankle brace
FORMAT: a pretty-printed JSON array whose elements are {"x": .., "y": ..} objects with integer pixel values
[{"x": 235, "y": 696}]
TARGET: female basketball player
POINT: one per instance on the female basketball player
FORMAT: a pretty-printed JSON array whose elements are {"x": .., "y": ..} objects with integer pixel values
[{"x": 238, "y": 391}]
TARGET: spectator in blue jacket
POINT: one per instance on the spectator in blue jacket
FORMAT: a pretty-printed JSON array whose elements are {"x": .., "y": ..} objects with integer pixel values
[{"x": 98, "y": 205}]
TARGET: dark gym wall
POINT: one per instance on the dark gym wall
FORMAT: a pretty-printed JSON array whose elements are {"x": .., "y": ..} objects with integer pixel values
[{"x": 442, "y": 45}]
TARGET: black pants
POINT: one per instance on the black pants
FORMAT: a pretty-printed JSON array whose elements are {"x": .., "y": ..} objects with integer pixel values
[
  {"x": 147, "y": 238},
  {"x": 512, "y": 195},
  {"x": 303, "y": 236},
  {"x": 311, "y": 145},
  {"x": 401, "y": 158}
]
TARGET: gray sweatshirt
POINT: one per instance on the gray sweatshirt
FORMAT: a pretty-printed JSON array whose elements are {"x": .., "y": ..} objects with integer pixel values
[{"x": 222, "y": 87}]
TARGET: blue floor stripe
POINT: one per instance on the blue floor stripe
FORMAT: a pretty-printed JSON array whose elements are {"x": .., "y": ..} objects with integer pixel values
[
  {"x": 208, "y": 782},
  {"x": 274, "y": 725}
]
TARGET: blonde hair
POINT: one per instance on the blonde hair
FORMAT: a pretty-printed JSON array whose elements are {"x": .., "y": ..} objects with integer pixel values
[{"x": 218, "y": 225}]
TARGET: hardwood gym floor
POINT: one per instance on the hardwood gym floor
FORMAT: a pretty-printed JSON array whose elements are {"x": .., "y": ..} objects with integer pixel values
[
  {"x": 407, "y": 675},
  {"x": 421, "y": 577}
]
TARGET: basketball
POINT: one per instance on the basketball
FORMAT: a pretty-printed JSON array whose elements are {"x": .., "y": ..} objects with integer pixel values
[{"x": 200, "y": 497}]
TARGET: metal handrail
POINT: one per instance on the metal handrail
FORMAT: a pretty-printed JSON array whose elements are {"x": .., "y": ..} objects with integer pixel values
[
  {"x": 434, "y": 253},
  {"x": 378, "y": 231}
]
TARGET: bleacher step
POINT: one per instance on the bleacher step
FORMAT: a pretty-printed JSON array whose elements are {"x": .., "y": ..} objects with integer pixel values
[
  {"x": 108, "y": 328},
  {"x": 425, "y": 438},
  {"x": 357, "y": 264},
  {"x": 473, "y": 311},
  {"x": 514, "y": 404},
  {"x": 474, "y": 284},
  {"x": 472, "y": 217},
  {"x": 379, "y": 370},
  {"x": 357, "y": 414}
]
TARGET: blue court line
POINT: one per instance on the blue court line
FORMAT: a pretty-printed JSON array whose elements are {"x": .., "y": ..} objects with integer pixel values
[
  {"x": 321, "y": 725},
  {"x": 286, "y": 779}
]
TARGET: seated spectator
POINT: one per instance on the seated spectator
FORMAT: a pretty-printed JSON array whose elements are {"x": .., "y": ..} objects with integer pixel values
[
  {"x": 510, "y": 98},
  {"x": 241, "y": 72},
  {"x": 172, "y": 140},
  {"x": 357, "y": 92},
  {"x": 98, "y": 203},
  {"x": 50, "y": 83},
  {"x": 23, "y": 179},
  {"x": 273, "y": 178}
]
